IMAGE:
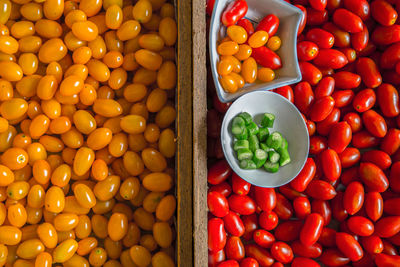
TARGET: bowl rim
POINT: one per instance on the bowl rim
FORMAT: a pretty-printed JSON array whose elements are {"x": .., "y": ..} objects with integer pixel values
[
  {"x": 266, "y": 87},
  {"x": 235, "y": 166}
]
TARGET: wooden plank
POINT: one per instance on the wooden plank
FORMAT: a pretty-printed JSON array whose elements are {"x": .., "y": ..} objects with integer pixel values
[
  {"x": 200, "y": 133},
  {"x": 184, "y": 126}
]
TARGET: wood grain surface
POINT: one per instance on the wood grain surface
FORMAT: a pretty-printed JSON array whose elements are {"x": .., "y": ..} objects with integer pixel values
[{"x": 200, "y": 133}]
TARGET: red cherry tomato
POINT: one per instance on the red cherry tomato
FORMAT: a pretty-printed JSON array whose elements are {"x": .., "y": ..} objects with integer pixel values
[
  {"x": 240, "y": 186},
  {"x": 359, "y": 40},
  {"x": 354, "y": 120},
  {"x": 388, "y": 100},
  {"x": 309, "y": 73},
  {"x": 265, "y": 198},
  {"x": 373, "y": 177},
  {"x": 303, "y": 96},
  {"x": 263, "y": 238},
  {"x": 302, "y": 207},
  {"x": 391, "y": 142},
  {"x": 390, "y": 56},
  {"x": 316, "y": 17},
  {"x": 360, "y": 226},
  {"x": 313, "y": 251},
  {"x": 249, "y": 262},
  {"x": 243, "y": 205},
  {"x": 384, "y": 260},
  {"x": 247, "y": 25},
  {"x": 288, "y": 231},
  {"x": 342, "y": 38},
  {"x": 219, "y": 172},
  {"x": 327, "y": 238},
  {"x": 289, "y": 192},
  {"x": 223, "y": 188},
  {"x": 324, "y": 127},
  {"x": 303, "y": 20},
  {"x": 259, "y": 254},
  {"x": 391, "y": 206},
  {"x": 312, "y": 229},
  {"x": 318, "y": 4},
  {"x": 369, "y": 72},
  {"x": 347, "y": 20},
  {"x": 330, "y": 58},
  {"x": 343, "y": 98},
  {"x": 233, "y": 224},
  {"x": 234, "y": 248},
  {"x": 331, "y": 164},
  {"x": 349, "y": 246},
  {"x": 317, "y": 144},
  {"x": 216, "y": 234},
  {"x": 286, "y": 91},
  {"x": 270, "y": 24},
  {"x": 333, "y": 257},
  {"x": 250, "y": 223},
  {"x": 307, "y": 50},
  {"x": 389, "y": 248},
  {"x": 395, "y": 177},
  {"x": 346, "y": 80},
  {"x": 387, "y": 226},
  {"x": 372, "y": 244},
  {"x": 349, "y": 175},
  {"x": 282, "y": 252},
  {"x": 210, "y": 7},
  {"x": 364, "y": 139},
  {"x": 383, "y": 12},
  {"x": 214, "y": 258},
  {"x": 373, "y": 204},
  {"x": 325, "y": 87},
  {"x": 379, "y": 158},
  {"x": 233, "y": 12},
  {"x": 268, "y": 220},
  {"x": 320, "y": 190},
  {"x": 349, "y": 157},
  {"x": 229, "y": 263},
  {"x": 266, "y": 58},
  {"x": 364, "y": 100},
  {"x": 321, "y": 108},
  {"x": 340, "y": 136},
  {"x": 283, "y": 207},
  {"x": 217, "y": 204},
  {"x": 386, "y": 35},
  {"x": 323, "y": 208},
  {"x": 302, "y": 262},
  {"x": 374, "y": 123},
  {"x": 353, "y": 198}
]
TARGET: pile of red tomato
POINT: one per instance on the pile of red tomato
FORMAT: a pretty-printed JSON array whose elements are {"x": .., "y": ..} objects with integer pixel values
[{"x": 343, "y": 209}]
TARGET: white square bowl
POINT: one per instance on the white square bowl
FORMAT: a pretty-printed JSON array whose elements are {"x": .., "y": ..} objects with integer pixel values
[{"x": 289, "y": 18}]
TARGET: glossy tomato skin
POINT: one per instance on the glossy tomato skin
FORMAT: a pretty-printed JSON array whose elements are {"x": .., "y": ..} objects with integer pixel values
[
  {"x": 312, "y": 229},
  {"x": 331, "y": 164},
  {"x": 261, "y": 255},
  {"x": 369, "y": 72},
  {"x": 322, "y": 38},
  {"x": 354, "y": 120},
  {"x": 217, "y": 204},
  {"x": 303, "y": 20},
  {"x": 243, "y": 205},
  {"x": 310, "y": 73},
  {"x": 320, "y": 190},
  {"x": 317, "y": 144},
  {"x": 223, "y": 188},
  {"x": 383, "y": 260},
  {"x": 353, "y": 198},
  {"x": 316, "y": 17},
  {"x": 349, "y": 157},
  {"x": 270, "y": 24},
  {"x": 214, "y": 258},
  {"x": 387, "y": 226},
  {"x": 240, "y": 186},
  {"x": 307, "y": 50},
  {"x": 313, "y": 251},
  {"x": 360, "y": 39},
  {"x": 383, "y": 12},
  {"x": 305, "y": 176},
  {"x": 234, "y": 248},
  {"x": 373, "y": 205},
  {"x": 324, "y": 127},
  {"x": 373, "y": 177},
  {"x": 282, "y": 252},
  {"x": 303, "y": 96},
  {"x": 325, "y": 87},
  {"x": 360, "y": 226},
  {"x": 372, "y": 244},
  {"x": 347, "y": 20},
  {"x": 233, "y": 224},
  {"x": 363, "y": 139},
  {"x": 388, "y": 100},
  {"x": 302, "y": 207},
  {"x": 250, "y": 223},
  {"x": 333, "y": 257},
  {"x": 247, "y": 25},
  {"x": 301, "y": 262},
  {"x": 288, "y": 231},
  {"x": 342, "y": 38},
  {"x": 283, "y": 207},
  {"x": 377, "y": 157},
  {"x": 390, "y": 56},
  {"x": 289, "y": 192},
  {"x": 346, "y": 80},
  {"x": 229, "y": 263},
  {"x": 318, "y": 4},
  {"x": 286, "y": 91},
  {"x": 263, "y": 238},
  {"x": 374, "y": 123},
  {"x": 343, "y": 98},
  {"x": 219, "y": 172},
  {"x": 340, "y": 136},
  {"x": 268, "y": 220},
  {"x": 327, "y": 238},
  {"x": 216, "y": 234},
  {"x": 359, "y": 7},
  {"x": 349, "y": 246},
  {"x": 391, "y": 142},
  {"x": 323, "y": 208},
  {"x": 233, "y": 12},
  {"x": 386, "y": 35},
  {"x": 265, "y": 198},
  {"x": 266, "y": 58},
  {"x": 330, "y": 58},
  {"x": 364, "y": 100},
  {"x": 321, "y": 108}
]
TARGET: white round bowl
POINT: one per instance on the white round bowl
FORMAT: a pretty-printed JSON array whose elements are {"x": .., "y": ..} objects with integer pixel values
[{"x": 288, "y": 121}]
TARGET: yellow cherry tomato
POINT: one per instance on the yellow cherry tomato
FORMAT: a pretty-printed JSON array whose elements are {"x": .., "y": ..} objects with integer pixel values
[
  {"x": 162, "y": 259},
  {"x": 30, "y": 249},
  {"x": 117, "y": 226},
  {"x": 237, "y": 34},
  {"x": 54, "y": 199},
  {"x": 53, "y": 9},
  {"x": 5, "y": 11},
  {"x": 128, "y": 30},
  {"x": 140, "y": 255},
  {"x": 65, "y": 250},
  {"x": 10, "y": 71},
  {"x": 114, "y": 17},
  {"x": 10, "y": 235},
  {"x": 274, "y": 43},
  {"x": 44, "y": 259},
  {"x": 258, "y": 39},
  {"x": 6, "y": 176},
  {"x": 52, "y": 50},
  {"x": 83, "y": 160},
  {"x": 84, "y": 195},
  {"x": 17, "y": 215},
  {"x": 108, "y": 188},
  {"x": 228, "y": 83},
  {"x": 249, "y": 70},
  {"x": 265, "y": 74},
  {"x": 85, "y": 30}
]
